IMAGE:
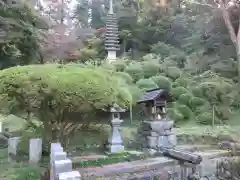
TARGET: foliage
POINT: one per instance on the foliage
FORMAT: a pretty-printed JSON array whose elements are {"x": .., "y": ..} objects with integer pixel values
[
  {"x": 146, "y": 84},
  {"x": 162, "y": 82},
  {"x": 135, "y": 70},
  {"x": 21, "y": 34},
  {"x": 51, "y": 91}
]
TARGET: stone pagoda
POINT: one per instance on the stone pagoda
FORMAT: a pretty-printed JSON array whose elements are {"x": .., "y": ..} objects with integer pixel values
[{"x": 111, "y": 36}]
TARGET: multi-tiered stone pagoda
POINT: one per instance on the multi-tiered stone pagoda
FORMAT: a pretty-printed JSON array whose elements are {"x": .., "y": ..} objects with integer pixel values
[{"x": 111, "y": 36}]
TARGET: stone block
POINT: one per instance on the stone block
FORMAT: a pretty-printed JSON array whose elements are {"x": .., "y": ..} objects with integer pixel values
[
  {"x": 35, "y": 150},
  {"x": 62, "y": 166},
  {"x": 56, "y": 147},
  {"x": 73, "y": 175},
  {"x": 58, "y": 156},
  {"x": 12, "y": 148},
  {"x": 152, "y": 142}
]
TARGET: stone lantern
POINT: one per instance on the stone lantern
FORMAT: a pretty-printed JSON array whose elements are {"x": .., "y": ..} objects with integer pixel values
[{"x": 115, "y": 139}]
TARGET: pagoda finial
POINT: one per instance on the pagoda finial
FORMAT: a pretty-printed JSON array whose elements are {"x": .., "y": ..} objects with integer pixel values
[{"x": 111, "y": 7}]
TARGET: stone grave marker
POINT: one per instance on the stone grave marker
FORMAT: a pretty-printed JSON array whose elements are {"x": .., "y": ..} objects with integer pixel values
[
  {"x": 35, "y": 150},
  {"x": 12, "y": 148}
]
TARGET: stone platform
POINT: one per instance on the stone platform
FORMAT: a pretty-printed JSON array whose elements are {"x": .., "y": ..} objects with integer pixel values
[{"x": 160, "y": 166}]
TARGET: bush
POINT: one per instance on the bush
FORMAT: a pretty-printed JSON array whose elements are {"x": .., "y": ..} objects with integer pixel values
[
  {"x": 135, "y": 71},
  {"x": 175, "y": 115},
  {"x": 182, "y": 81},
  {"x": 125, "y": 76},
  {"x": 205, "y": 118},
  {"x": 185, "y": 99},
  {"x": 197, "y": 91},
  {"x": 185, "y": 111},
  {"x": 195, "y": 102},
  {"x": 61, "y": 88},
  {"x": 162, "y": 82},
  {"x": 119, "y": 65},
  {"x": 27, "y": 172},
  {"x": 175, "y": 84},
  {"x": 176, "y": 92},
  {"x": 136, "y": 92},
  {"x": 173, "y": 72},
  {"x": 146, "y": 84},
  {"x": 150, "y": 69}
]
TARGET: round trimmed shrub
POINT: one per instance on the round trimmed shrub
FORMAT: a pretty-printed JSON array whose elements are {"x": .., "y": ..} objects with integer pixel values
[
  {"x": 150, "y": 69},
  {"x": 162, "y": 82},
  {"x": 125, "y": 76},
  {"x": 184, "y": 110},
  {"x": 197, "y": 91},
  {"x": 146, "y": 84},
  {"x": 173, "y": 72},
  {"x": 185, "y": 99},
  {"x": 175, "y": 84},
  {"x": 195, "y": 102},
  {"x": 119, "y": 65},
  {"x": 205, "y": 118},
  {"x": 135, "y": 71},
  {"x": 176, "y": 92},
  {"x": 182, "y": 81},
  {"x": 175, "y": 115}
]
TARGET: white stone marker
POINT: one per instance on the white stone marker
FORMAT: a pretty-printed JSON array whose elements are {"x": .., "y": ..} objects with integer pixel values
[
  {"x": 12, "y": 147},
  {"x": 73, "y": 175},
  {"x": 1, "y": 127},
  {"x": 35, "y": 150},
  {"x": 62, "y": 166}
]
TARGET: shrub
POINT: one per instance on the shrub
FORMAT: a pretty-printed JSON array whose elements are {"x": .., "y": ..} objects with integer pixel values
[
  {"x": 135, "y": 71},
  {"x": 185, "y": 99},
  {"x": 182, "y": 81},
  {"x": 175, "y": 84},
  {"x": 162, "y": 82},
  {"x": 51, "y": 89},
  {"x": 125, "y": 76},
  {"x": 150, "y": 69},
  {"x": 136, "y": 92},
  {"x": 28, "y": 172},
  {"x": 176, "y": 92},
  {"x": 205, "y": 118},
  {"x": 175, "y": 115},
  {"x": 184, "y": 110},
  {"x": 119, "y": 65},
  {"x": 173, "y": 72},
  {"x": 146, "y": 84},
  {"x": 197, "y": 91},
  {"x": 195, "y": 102}
]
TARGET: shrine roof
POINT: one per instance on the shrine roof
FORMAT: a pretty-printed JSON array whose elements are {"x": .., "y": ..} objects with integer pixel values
[{"x": 153, "y": 94}]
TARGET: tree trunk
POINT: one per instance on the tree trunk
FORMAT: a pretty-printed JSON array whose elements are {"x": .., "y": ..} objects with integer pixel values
[{"x": 213, "y": 116}]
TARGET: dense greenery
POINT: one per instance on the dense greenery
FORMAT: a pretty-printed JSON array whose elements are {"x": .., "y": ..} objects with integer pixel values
[
  {"x": 50, "y": 92},
  {"x": 21, "y": 31}
]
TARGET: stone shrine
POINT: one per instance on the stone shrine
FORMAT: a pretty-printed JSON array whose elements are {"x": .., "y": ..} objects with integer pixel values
[
  {"x": 111, "y": 34},
  {"x": 155, "y": 132}
]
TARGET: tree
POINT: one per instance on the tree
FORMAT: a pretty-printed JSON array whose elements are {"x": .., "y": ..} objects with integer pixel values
[
  {"x": 230, "y": 13},
  {"x": 21, "y": 33},
  {"x": 52, "y": 92}
]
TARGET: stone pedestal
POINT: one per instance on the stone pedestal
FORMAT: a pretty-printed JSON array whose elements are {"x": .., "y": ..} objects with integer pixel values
[
  {"x": 35, "y": 150},
  {"x": 157, "y": 134},
  {"x": 115, "y": 139}
]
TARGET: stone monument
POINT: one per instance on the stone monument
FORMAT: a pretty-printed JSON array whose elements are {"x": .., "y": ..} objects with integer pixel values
[
  {"x": 156, "y": 130},
  {"x": 115, "y": 139},
  {"x": 35, "y": 150},
  {"x": 111, "y": 35}
]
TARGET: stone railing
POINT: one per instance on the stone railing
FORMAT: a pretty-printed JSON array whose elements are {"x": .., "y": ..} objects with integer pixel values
[{"x": 60, "y": 165}]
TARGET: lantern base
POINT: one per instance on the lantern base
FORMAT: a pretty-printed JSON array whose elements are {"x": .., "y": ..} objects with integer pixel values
[{"x": 116, "y": 148}]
